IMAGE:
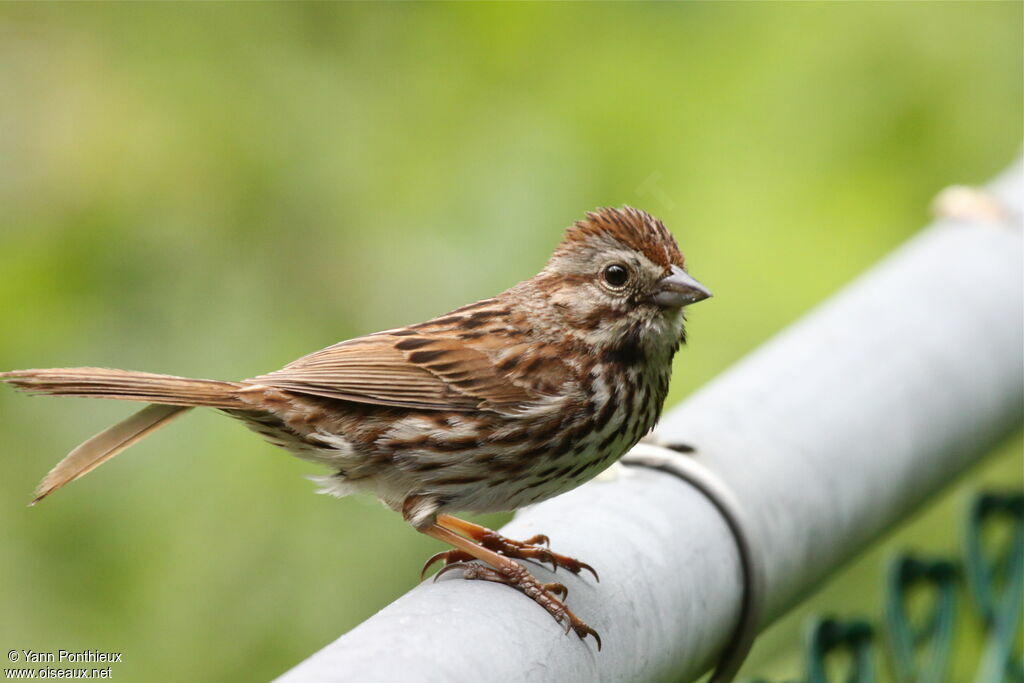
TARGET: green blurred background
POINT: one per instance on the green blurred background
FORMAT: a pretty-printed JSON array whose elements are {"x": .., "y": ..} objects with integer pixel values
[{"x": 213, "y": 190}]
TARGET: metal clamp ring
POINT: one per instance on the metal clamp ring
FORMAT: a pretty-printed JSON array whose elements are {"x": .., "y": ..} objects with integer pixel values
[{"x": 658, "y": 457}]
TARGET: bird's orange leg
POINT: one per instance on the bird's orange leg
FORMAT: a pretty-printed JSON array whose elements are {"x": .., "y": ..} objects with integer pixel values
[
  {"x": 531, "y": 549},
  {"x": 504, "y": 570}
]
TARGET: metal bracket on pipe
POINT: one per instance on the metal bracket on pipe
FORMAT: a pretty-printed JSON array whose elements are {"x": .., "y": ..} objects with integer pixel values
[{"x": 654, "y": 455}]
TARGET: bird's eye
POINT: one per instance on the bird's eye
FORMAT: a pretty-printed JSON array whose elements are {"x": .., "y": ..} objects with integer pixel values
[{"x": 616, "y": 275}]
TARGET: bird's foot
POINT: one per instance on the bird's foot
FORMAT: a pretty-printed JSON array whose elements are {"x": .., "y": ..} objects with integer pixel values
[
  {"x": 547, "y": 595},
  {"x": 534, "y": 548}
]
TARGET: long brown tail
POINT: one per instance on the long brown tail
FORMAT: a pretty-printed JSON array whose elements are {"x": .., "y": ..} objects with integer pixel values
[
  {"x": 170, "y": 395},
  {"x": 104, "y": 446},
  {"x": 127, "y": 385}
]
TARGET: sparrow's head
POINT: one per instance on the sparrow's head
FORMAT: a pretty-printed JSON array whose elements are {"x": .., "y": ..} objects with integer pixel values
[{"x": 619, "y": 280}]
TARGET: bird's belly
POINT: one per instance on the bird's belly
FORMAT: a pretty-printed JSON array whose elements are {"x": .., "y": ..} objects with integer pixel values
[
  {"x": 601, "y": 441},
  {"x": 550, "y": 478},
  {"x": 524, "y": 475}
]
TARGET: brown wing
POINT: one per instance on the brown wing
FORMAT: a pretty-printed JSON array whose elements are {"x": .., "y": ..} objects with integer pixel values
[{"x": 431, "y": 370}]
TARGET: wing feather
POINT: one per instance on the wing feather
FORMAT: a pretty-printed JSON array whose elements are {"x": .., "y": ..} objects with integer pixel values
[{"x": 434, "y": 370}]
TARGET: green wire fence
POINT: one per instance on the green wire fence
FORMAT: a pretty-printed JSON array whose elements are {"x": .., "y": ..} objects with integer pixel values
[{"x": 919, "y": 643}]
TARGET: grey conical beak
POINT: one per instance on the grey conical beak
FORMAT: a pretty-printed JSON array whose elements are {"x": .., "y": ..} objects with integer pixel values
[{"x": 678, "y": 289}]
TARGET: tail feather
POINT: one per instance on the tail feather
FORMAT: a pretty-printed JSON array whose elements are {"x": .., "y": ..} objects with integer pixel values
[
  {"x": 171, "y": 396},
  {"x": 105, "y": 445},
  {"x": 127, "y": 385}
]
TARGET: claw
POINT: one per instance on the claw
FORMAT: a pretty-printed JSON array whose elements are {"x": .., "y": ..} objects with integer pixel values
[
  {"x": 539, "y": 539},
  {"x": 558, "y": 589},
  {"x": 449, "y": 567},
  {"x": 582, "y": 630},
  {"x": 449, "y": 557},
  {"x": 430, "y": 561},
  {"x": 575, "y": 566},
  {"x": 584, "y": 565}
]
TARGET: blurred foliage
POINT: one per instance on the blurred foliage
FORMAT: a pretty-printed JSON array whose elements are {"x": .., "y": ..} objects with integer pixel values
[
  {"x": 213, "y": 190},
  {"x": 933, "y": 623}
]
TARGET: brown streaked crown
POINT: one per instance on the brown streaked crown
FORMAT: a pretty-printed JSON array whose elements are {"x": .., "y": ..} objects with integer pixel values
[{"x": 633, "y": 228}]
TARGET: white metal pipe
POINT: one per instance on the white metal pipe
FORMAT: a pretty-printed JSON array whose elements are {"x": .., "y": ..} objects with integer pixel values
[{"x": 829, "y": 434}]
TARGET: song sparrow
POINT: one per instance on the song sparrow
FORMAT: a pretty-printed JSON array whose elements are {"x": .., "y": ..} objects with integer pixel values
[{"x": 496, "y": 405}]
